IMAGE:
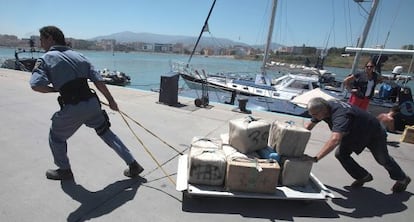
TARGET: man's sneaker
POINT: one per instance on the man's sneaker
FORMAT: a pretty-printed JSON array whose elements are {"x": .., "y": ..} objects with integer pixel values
[
  {"x": 59, "y": 174},
  {"x": 401, "y": 185},
  {"x": 134, "y": 170},
  {"x": 360, "y": 182}
]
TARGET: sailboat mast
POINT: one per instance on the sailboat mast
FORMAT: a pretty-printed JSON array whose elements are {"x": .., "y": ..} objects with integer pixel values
[
  {"x": 269, "y": 35},
  {"x": 364, "y": 35}
]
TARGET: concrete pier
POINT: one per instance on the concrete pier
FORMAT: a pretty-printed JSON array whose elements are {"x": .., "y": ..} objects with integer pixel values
[{"x": 100, "y": 192}]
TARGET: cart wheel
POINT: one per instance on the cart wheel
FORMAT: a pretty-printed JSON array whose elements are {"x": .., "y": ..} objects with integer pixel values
[{"x": 198, "y": 102}]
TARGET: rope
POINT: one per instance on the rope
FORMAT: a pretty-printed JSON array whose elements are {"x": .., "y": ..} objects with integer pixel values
[
  {"x": 143, "y": 145},
  {"x": 153, "y": 170},
  {"x": 150, "y": 132},
  {"x": 179, "y": 152},
  {"x": 146, "y": 149}
]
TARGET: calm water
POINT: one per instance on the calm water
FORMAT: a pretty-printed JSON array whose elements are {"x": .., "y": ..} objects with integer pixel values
[{"x": 146, "y": 69}]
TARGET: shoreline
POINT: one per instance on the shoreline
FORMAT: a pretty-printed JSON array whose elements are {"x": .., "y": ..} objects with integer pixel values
[{"x": 334, "y": 61}]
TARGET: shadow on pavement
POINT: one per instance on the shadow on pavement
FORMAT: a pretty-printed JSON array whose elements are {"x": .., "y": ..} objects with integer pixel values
[
  {"x": 259, "y": 208},
  {"x": 395, "y": 144},
  {"x": 367, "y": 202},
  {"x": 97, "y": 203}
]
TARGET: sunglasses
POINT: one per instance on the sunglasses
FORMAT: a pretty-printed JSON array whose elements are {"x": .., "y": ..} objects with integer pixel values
[{"x": 369, "y": 66}]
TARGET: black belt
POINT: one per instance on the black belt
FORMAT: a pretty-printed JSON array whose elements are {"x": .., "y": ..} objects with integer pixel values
[{"x": 75, "y": 100}]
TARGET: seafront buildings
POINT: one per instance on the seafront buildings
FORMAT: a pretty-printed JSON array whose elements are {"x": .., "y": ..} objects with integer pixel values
[{"x": 184, "y": 47}]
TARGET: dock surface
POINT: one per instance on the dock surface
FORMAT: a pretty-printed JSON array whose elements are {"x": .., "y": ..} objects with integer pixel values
[{"x": 100, "y": 192}]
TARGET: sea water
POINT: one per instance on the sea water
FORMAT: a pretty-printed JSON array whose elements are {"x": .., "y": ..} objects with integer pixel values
[{"x": 146, "y": 69}]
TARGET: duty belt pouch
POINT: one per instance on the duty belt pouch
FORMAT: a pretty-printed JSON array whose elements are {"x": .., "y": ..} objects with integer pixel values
[{"x": 75, "y": 91}]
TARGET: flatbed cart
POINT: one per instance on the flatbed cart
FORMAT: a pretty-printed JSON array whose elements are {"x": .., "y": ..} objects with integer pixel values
[{"x": 315, "y": 190}]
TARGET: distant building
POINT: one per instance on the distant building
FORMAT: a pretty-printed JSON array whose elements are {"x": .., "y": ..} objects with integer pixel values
[
  {"x": 208, "y": 51},
  {"x": 147, "y": 47},
  {"x": 178, "y": 48},
  {"x": 106, "y": 44},
  {"x": 297, "y": 50},
  {"x": 158, "y": 47},
  {"x": 240, "y": 51}
]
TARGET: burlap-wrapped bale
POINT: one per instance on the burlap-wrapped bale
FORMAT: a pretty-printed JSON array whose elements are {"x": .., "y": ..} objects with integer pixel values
[
  {"x": 207, "y": 162},
  {"x": 288, "y": 139},
  {"x": 295, "y": 171},
  {"x": 408, "y": 135},
  {"x": 231, "y": 153},
  {"x": 252, "y": 175},
  {"x": 248, "y": 134},
  {"x": 205, "y": 143}
]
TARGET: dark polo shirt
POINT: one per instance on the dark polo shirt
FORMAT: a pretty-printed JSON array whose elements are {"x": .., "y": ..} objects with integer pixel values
[{"x": 358, "y": 126}]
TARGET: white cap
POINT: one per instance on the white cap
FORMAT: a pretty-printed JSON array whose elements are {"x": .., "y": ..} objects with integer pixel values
[{"x": 397, "y": 70}]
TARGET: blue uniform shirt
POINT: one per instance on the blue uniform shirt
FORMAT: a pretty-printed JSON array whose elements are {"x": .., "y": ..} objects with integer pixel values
[{"x": 60, "y": 65}]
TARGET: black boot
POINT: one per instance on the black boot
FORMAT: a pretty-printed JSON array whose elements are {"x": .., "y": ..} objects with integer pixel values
[
  {"x": 59, "y": 174},
  {"x": 401, "y": 186},
  {"x": 134, "y": 170},
  {"x": 360, "y": 182}
]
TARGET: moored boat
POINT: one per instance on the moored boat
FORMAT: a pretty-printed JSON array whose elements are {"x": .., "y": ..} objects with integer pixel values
[
  {"x": 24, "y": 59},
  {"x": 115, "y": 77}
]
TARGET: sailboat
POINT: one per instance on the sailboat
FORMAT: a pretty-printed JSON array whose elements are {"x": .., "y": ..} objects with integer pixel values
[{"x": 269, "y": 94}]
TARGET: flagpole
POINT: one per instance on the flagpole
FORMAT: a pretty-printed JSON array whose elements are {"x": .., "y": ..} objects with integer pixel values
[{"x": 205, "y": 27}]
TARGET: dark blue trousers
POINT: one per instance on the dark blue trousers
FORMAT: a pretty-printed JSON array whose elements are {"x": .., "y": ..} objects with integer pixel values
[{"x": 378, "y": 147}]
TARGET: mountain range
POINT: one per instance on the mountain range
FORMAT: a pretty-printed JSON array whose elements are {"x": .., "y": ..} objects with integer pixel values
[{"x": 128, "y": 37}]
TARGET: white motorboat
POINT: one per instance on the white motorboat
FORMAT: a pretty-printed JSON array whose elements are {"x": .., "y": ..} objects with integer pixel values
[{"x": 115, "y": 77}]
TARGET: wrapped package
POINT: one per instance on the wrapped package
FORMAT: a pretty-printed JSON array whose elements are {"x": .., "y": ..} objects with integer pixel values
[
  {"x": 295, "y": 172},
  {"x": 224, "y": 138},
  {"x": 288, "y": 139},
  {"x": 207, "y": 162},
  {"x": 231, "y": 153},
  {"x": 248, "y": 134},
  {"x": 202, "y": 142},
  {"x": 408, "y": 135},
  {"x": 252, "y": 175}
]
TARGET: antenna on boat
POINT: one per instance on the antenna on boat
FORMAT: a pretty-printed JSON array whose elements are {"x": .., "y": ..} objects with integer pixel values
[{"x": 205, "y": 28}]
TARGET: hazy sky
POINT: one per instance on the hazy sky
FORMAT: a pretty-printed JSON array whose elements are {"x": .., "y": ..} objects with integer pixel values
[{"x": 320, "y": 23}]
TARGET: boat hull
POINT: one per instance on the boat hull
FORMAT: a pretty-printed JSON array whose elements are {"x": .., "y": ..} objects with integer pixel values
[{"x": 223, "y": 95}]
